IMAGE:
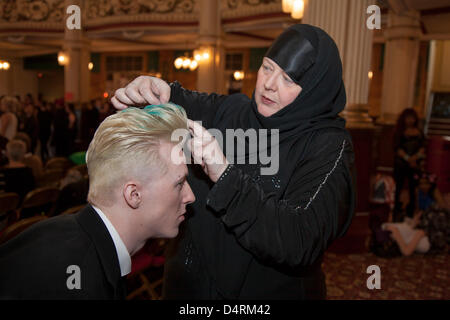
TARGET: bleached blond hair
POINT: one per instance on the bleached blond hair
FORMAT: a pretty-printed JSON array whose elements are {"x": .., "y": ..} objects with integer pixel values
[{"x": 126, "y": 146}]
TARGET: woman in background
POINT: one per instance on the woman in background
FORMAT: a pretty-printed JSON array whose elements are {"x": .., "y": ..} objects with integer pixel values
[
  {"x": 8, "y": 118},
  {"x": 409, "y": 143},
  {"x": 433, "y": 213}
]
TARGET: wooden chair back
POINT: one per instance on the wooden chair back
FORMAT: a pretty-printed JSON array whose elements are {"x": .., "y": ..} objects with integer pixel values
[
  {"x": 74, "y": 210},
  {"x": 16, "y": 228},
  {"x": 38, "y": 198},
  {"x": 8, "y": 202},
  {"x": 51, "y": 177},
  {"x": 58, "y": 163}
]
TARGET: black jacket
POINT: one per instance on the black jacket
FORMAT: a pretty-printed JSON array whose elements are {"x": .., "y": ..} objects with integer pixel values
[{"x": 34, "y": 264}]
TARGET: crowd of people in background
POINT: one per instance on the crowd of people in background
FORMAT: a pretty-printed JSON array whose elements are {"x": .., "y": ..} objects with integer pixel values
[
  {"x": 55, "y": 128},
  {"x": 33, "y": 131},
  {"x": 415, "y": 218}
]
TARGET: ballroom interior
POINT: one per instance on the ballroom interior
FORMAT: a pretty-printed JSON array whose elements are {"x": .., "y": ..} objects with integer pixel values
[{"x": 393, "y": 59}]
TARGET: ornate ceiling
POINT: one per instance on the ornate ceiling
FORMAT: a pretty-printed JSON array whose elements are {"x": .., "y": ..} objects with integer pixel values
[{"x": 30, "y": 27}]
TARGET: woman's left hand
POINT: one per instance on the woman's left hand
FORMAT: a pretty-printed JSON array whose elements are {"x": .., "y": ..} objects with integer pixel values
[{"x": 206, "y": 151}]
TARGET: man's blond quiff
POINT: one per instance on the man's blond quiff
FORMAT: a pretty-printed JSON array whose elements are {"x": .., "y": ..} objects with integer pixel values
[{"x": 126, "y": 146}]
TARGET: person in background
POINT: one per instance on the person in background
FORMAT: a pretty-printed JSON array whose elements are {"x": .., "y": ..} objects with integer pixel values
[
  {"x": 89, "y": 121},
  {"x": 433, "y": 213},
  {"x": 105, "y": 111},
  {"x": 409, "y": 146},
  {"x": 8, "y": 119},
  {"x": 18, "y": 177},
  {"x": 44, "y": 117},
  {"x": 28, "y": 99},
  {"x": 71, "y": 127},
  {"x": 74, "y": 191},
  {"x": 408, "y": 237},
  {"x": 428, "y": 230},
  {"x": 427, "y": 192},
  {"x": 31, "y": 160},
  {"x": 30, "y": 126},
  {"x": 61, "y": 133}
]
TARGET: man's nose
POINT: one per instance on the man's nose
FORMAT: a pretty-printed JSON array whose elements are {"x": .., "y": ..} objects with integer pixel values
[{"x": 189, "y": 196}]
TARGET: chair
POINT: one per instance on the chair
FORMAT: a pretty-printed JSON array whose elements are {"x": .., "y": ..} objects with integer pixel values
[
  {"x": 19, "y": 226},
  {"x": 82, "y": 168},
  {"x": 74, "y": 209},
  {"x": 58, "y": 163},
  {"x": 51, "y": 177},
  {"x": 150, "y": 256},
  {"x": 39, "y": 200},
  {"x": 8, "y": 202},
  {"x": 8, "y": 205}
]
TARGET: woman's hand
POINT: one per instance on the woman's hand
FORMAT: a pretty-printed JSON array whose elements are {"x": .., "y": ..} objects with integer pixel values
[
  {"x": 206, "y": 151},
  {"x": 142, "y": 91},
  {"x": 413, "y": 161}
]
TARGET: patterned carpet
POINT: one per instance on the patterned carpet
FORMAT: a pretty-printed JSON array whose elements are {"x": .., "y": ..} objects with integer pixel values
[
  {"x": 421, "y": 277},
  {"x": 404, "y": 278}
]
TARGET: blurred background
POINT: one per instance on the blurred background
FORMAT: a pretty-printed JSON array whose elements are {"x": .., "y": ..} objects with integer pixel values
[{"x": 59, "y": 69}]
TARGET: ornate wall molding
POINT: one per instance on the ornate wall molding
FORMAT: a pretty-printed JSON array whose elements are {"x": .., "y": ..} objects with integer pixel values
[
  {"x": 103, "y": 8},
  {"x": 101, "y": 15},
  {"x": 32, "y": 15},
  {"x": 104, "y": 13},
  {"x": 243, "y": 8},
  {"x": 234, "y": 4},
  {"x": 31, "y": 11}
]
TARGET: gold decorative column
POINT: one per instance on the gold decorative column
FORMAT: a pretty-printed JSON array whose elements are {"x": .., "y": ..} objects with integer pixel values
[
  {"x": 210, "y": 74},
  {"x": 76, "y": 71},
  {"x": 345, "y": 22},
  {"x": 400, "y": 68}
]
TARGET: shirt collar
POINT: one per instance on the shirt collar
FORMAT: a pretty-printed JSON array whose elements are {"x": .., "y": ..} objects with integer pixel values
[{"x": 121, "y": 249}]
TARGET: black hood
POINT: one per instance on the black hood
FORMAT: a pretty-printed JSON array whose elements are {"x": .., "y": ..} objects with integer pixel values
[{"x": 311, "y": 58}]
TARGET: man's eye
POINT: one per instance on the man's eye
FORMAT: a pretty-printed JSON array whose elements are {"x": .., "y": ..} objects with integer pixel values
[{"x": 265, "y": 67}]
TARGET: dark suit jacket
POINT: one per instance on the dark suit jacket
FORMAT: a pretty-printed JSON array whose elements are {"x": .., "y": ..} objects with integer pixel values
[{"x": 34, "y": 264}]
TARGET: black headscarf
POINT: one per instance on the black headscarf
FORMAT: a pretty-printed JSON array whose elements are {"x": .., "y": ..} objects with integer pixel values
[{"x": 310, "y": 57}]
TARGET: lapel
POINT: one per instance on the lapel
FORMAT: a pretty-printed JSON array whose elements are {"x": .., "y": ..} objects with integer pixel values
[{"x": 104, "y": 245}]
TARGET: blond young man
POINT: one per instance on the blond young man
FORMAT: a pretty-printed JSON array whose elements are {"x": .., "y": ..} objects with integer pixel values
[{"x": 136, "y": 192}]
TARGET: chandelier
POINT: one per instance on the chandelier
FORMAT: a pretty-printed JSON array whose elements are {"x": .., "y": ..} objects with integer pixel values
[
  {"x": 191, "y": 63},
  {"x": 63, "y": 58},
  {"x": 4, "y": 65},
  {"x": 295, "y": 7}
]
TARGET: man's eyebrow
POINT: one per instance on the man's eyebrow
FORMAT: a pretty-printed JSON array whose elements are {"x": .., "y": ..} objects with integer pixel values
[{"x": 182, "y": 178}]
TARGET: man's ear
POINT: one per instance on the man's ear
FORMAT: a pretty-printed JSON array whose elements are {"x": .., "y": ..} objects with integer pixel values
[{"x": 132, "y": 195}]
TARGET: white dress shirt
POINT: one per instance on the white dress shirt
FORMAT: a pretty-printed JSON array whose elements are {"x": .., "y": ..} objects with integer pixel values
[{"x": 122, "y": 252}]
